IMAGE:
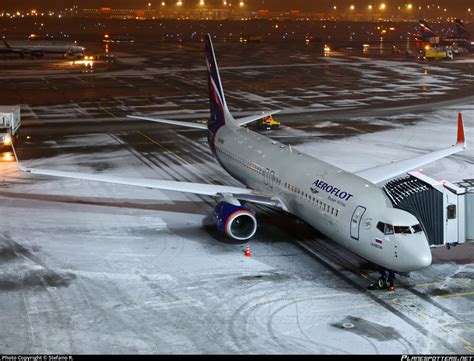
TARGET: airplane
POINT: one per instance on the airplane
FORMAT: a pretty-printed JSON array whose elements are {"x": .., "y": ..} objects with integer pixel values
[
  {"x": 460, "y": 39},
  {"x": 38, "y": 51},
  {"x": 426, "y": 32},
  {"x": 350, "y": 208}
]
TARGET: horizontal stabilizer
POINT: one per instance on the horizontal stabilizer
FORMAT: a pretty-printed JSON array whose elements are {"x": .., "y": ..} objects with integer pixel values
[
  {"x": 252, "y": 118},
  {"x": 172, "y": 122}
]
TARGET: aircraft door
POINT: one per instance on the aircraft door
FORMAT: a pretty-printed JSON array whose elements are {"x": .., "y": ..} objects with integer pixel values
[
  {"x": 355, "y": 221},
  {"x": 266, "y": 176}
]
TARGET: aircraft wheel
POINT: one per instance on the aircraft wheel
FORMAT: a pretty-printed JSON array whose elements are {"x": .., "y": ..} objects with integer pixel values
[{"x": 382, "y": 283}]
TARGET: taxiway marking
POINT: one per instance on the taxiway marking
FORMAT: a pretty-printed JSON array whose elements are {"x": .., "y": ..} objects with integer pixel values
[{"x": 162, "y": 146}]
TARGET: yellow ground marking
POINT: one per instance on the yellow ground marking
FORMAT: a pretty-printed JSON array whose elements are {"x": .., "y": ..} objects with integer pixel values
[
  {"x": 107, "y": 111},
  {"x": 467, "y": 344},
  {"x": 461, "y": 294},
  {"x": 162, "y": 146}
]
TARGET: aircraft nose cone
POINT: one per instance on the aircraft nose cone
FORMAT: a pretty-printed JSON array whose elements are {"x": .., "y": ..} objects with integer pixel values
[
  {"x": 422, "y": 255},
  {"x": 424, "y": 259}
]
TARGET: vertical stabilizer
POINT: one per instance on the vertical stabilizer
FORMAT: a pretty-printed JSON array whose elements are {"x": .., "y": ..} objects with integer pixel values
[
  {"x": 220, "y": 114},
  {"x": 426, "y": 31},
  {"x": 461, "y": 30}
]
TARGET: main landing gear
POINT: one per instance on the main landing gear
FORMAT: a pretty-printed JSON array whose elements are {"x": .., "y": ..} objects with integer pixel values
[{"x": 384, "y": 283}]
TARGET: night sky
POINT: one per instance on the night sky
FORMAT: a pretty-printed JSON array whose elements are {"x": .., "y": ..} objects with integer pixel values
[{"x": 452, "y": 5}]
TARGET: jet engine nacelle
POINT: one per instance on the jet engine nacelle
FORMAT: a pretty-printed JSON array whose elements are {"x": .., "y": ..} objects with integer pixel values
[{"x": 235, "y": 221}]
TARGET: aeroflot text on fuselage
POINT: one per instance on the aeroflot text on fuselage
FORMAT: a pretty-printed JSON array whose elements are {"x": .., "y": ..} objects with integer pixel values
[{"x": 330, "y": 189}]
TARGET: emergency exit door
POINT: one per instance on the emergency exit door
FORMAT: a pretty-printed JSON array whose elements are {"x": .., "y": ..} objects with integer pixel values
[{"x": 355, "y": 221}]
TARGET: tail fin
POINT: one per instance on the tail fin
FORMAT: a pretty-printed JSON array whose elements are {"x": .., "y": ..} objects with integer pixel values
[
  {"x": 427, "y": 31},
  {"x": 461, "y": 29},
  {"x": 6, "y": 44},
  {"x": 220, "y": 114}
]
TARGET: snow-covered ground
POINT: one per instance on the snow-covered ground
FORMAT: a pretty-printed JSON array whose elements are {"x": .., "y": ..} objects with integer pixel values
[
  {"x": 432, "y": 131},
  {"x": 95, "y": 268}
]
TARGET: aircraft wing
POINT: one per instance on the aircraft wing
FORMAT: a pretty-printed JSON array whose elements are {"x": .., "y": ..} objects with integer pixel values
[
  {"x": 386, "y": 171},
  {"x": 212, "y": 190},
  {"x": 252, "y": 118},
  {"x": 172, "y": 122}
]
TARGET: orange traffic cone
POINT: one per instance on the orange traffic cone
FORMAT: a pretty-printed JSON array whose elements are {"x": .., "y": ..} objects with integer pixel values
[{"x": 247, "y": 251}]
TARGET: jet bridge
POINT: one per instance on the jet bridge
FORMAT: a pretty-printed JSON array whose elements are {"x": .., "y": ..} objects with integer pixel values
[{"x": 445, "y": 210}]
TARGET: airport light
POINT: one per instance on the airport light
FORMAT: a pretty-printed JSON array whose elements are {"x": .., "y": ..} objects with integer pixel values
[
  {"x": 241, "y": 4},
  {"x": 7, "y": 157},
  {"x": 409, "y": 6},
  {"x": 334, "y": 7},
  {"x": 382, "y": 6},
  {"x": 179, "y": 3},
  {"x": 352, "y": 7},
  {"x": 369, "y": 7},
  {"x": 163, "y": 3},
  {"x": 201, "y": 2}
]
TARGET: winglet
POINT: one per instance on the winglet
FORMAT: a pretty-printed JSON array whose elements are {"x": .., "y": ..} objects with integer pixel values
[
  {"x": 461, "y": 138},
  {"x": 23, "y": 169}
]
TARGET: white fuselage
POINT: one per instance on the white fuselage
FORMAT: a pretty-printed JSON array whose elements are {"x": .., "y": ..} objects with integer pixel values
[
  {"x": 339, "y": 204},
  {"x": 58, "y": 49}
]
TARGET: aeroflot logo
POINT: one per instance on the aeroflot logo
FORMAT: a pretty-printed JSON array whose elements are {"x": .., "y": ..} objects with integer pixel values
[{"x": 330, "y": 189}]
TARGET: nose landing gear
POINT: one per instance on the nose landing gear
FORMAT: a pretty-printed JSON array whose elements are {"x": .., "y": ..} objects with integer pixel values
[{"x": 384, "y": 283}]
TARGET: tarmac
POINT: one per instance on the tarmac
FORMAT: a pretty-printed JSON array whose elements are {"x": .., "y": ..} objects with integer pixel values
[{"x": 96, "y": 268}]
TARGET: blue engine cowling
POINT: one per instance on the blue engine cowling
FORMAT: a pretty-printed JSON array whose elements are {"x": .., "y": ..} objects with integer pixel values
[{"x": 235, "y": 221}]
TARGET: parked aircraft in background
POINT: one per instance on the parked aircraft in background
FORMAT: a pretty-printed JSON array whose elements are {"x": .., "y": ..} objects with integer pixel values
[
  {"x": 460, "y": 40},
  {"x": 38, "y": 51}
]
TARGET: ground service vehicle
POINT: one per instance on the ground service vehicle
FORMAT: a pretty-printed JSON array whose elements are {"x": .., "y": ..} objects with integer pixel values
[
  {"x": 10, "y": 122},
  {"x": 268, "y": 123}
]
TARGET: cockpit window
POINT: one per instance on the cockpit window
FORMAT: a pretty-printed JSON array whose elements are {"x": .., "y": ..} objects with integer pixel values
[
  {"x": 402, "y": 229},
  {"x": 385, "y": 228}
]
